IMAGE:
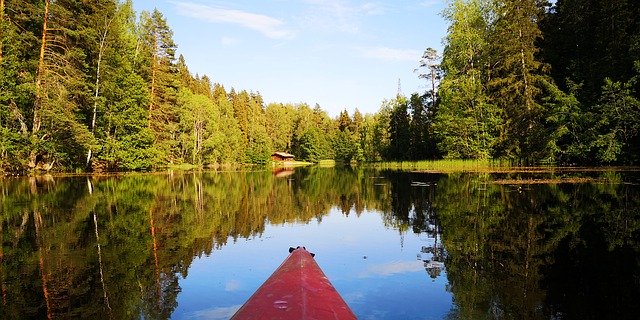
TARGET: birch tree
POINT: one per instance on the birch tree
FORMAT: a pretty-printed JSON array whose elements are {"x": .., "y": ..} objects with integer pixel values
[{"x": 466, "y": 122}]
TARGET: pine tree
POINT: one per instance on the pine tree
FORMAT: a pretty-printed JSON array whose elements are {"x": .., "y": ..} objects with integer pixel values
[
  {"x": 231, "y": 150},
  {"x": 124, "y": 139},
  {"x": 240, "y": 103},
  {"x": 41, "y": 67},
  {"x": 3, "y": 27},
  {"x": 516, "y": 76},
  {"x": 159, "y": 52},
  {"x": 279, "y": 124},
  {"x": 618, "y": 125},
  {"x": 420, "y": 129},
  {"x": 344, "y": 121},
  {"x": 586, "y": 41},
  {"x": 399, "y": 130},
  {"x": 259, "y": 147}
]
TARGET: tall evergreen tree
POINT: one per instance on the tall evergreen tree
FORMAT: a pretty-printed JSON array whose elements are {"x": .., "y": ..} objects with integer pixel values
[
  {"x": 43, "y": 100},
  {"x": 517, "y": 76},
  {"x": 124, "y": 139},
  {"x": 432, "y": 72},
  {"x": 240, "y": 103},
  {"x": 231, "y": 149},
  {"x": 344, "y": 121},
  {"x": 159, "y": 53},
  {"x": 422, "y": 138},
  {"x": 259, "y": 147},
  {"x": 618, "y": 127},
  {"x": 279, "y": 123},
  {"x": 592, "y": 47},
  {"x": 399, "y": 129},
  {"x": 586, "y": 41}
]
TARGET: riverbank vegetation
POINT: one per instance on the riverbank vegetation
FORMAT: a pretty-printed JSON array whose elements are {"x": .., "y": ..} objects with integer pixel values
[{"x": 98, "y": 87}]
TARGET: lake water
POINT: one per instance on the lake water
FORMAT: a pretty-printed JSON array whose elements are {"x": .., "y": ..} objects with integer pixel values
[{"x": 396, "y": 245}]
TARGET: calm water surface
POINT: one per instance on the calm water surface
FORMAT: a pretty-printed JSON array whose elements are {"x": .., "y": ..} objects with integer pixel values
[{"x": 396, "y": 245}]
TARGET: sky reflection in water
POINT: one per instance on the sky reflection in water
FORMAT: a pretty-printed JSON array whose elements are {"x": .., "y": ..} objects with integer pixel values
[
  {"x": 375, "y": 269},
  {"x": 197, "y": 245}
]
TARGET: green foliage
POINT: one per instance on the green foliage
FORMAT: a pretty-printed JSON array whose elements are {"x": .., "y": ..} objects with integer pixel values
[
  {"x": 308, "y": 146},
  {"x": 593, "y": 59},
  {"x": 130, "y": 239},
  {"x": 467, "y": 124},
  {"x": 399, "y": 129},
  {"x": 312, "y": 133},
  {"x": 497, "y": 99},
  {"x": 113, "y": 96},
  {"x": 279, "y": 125},
  {"x": 345, "y": 147},
  {"x": 586, "y": 41},
  {"x": 618, "y": 123},
  {"x": 110, "y": 93}
]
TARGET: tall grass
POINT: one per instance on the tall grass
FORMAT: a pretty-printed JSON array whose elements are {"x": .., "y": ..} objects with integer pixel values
[
  {"x": 326, "y": 163},
  {"x": 444, "y": 165}
]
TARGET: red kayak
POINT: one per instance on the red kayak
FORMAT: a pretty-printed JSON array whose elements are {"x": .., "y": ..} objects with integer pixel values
[{"x": 298, "y": 289}]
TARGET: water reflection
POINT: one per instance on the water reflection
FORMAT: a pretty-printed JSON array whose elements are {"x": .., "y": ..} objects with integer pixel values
[
  {"x": 118, "y": 247},
  {"x": 436, "y": 262}
]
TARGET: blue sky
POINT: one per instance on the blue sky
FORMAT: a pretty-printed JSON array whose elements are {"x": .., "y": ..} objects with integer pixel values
[{"x": 341, "y": 54}]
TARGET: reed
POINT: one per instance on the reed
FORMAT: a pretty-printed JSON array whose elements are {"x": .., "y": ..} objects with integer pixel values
[{"x": 444, "y": 165}]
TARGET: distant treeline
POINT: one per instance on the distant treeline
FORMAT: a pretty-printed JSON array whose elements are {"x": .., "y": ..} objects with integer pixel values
[{"x": 95, "y": 86}]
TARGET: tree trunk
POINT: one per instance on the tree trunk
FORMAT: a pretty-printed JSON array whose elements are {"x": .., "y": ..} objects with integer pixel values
[
  {"x": 104, "y": 287},
  {"x": 103, "y": 40},
  {"x": 40, "y": 73},
  {"x": 1, "y": 24},
  {"x": 37, "y": 220},
  {"x": 433, "y": 85},
  {"x": 37, "y": 107},
  {"x": 2, "y": 284},
  {"x": 195, "y": 141},
  {"x": 154, "y": 67},
  {"x": 1, "y": 241},
  {"x": 525, "y": 73},
  {"x": 155, "y": 256}
]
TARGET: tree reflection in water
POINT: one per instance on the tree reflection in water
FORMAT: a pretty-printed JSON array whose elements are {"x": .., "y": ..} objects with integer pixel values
[
  {"x": 116, "y": 247},
  {"x": 436, "y": 262}
]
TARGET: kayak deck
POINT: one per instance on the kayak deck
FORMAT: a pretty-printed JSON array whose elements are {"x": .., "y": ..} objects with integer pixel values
[{"x": 298, "y": 289}]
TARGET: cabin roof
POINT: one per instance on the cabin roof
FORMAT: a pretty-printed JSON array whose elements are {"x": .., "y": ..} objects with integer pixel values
[{"x": 283, "y": 155}]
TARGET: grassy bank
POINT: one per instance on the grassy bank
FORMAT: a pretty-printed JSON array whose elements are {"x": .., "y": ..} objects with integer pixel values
[
  {"x": 444, "y": 165},
  {"x": 490, "y": 166}
]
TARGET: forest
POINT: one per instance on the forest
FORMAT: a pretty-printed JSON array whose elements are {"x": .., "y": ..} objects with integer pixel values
[{"x": 95, "y": 86}]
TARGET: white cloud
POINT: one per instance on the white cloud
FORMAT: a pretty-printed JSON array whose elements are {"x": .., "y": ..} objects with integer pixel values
[
  {"x": 354, "y": 297},
  {"x": 232, "y": 285},
  {"x": 268, "y": 26},
  {"x": 339, "y": 15},
  {"x": 229, "y": 41},
  {"x": 371, "y": 9},
  {"x": 430, "y": 3},
  {"x": 391, "y": 54},
  {"x": 215, "y": 313},
  {"x": 392, "y": 268}
]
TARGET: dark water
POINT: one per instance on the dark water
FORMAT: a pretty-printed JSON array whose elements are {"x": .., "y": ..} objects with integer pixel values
[{"x": 396, "y": 245}]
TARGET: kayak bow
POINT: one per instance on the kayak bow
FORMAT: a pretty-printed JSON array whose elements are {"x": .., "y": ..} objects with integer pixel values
[{"x": 298, "y": 289}]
